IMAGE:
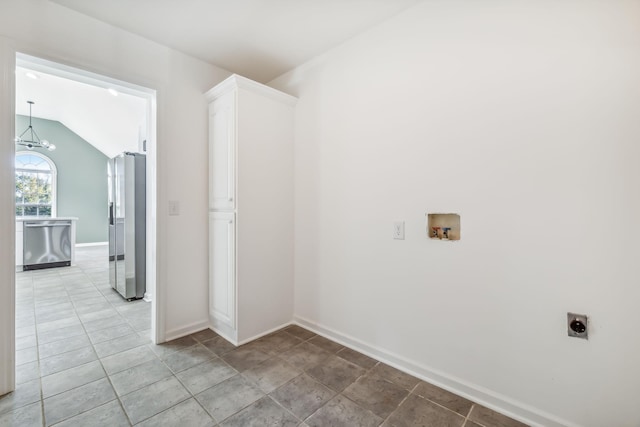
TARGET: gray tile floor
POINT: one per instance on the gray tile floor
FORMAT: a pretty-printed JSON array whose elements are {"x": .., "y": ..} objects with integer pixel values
[{"x": 84, "y": 358}]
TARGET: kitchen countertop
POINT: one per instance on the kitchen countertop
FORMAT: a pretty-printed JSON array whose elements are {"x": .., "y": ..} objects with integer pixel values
[{"x": 40, "y": 218}]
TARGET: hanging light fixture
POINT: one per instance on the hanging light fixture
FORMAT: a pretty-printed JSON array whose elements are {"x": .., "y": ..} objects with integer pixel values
[{"x": 32, "y": 140}]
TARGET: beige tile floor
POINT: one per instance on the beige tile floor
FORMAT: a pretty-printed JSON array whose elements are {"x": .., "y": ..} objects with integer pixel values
[{"x": 84, "y": 359}]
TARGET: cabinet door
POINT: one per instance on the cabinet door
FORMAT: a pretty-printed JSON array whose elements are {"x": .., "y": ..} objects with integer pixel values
[
  {"x": 222, "y": 149},
  {"x": 222, "y": 268}
]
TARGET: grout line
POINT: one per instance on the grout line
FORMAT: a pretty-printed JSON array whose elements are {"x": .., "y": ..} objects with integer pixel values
[
  {"x": 103, "y": 369},
  {"x": 300, "y": 420},
  {"x": 241, "y": 374},
  {"x": 239, "y": 410},
  {"x": 339, "y": 393},
  {"x": 203, "y": 408},
  {"x": 166, "y": 409},
  {"x": 83, "y": 412},
  {"x": 442, "y": 406},
  {"x": 396, "y": 408},
  {"x": 91, "y": 344},
  {"x": 468, "y": 414},
  {"x": 216, "y": 356},
  {"x": 174, "y": 375},
  {"x": 35, "y": 320}
]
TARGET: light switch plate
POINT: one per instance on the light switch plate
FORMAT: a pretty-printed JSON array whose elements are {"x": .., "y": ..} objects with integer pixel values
[
  {"x": 174, "y": 207},
  {"x": 398, "y": 230}
]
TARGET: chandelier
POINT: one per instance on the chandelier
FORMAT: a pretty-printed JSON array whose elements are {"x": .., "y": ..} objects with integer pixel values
[{"x": 32, "y": 140}]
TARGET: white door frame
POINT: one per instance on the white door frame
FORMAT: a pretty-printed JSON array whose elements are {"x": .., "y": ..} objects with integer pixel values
[
  {"x": 7, "y": 216},
  {"x": 8, "y": 59}
]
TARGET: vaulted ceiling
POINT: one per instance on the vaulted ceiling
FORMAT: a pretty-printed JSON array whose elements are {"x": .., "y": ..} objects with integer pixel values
[
  {"x": 259, "y": 39},
  {"x": 111, "y": 124}
]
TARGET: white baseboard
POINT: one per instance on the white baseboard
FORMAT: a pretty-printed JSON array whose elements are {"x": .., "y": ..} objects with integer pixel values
[
  {"x": 84, "y": 245},
  {"x": 147, "y": 297},
  {"x": 186, "y": 330},
  {"x": 225, "y": 331},
  {"x": 230, "y": 335},
  {"x": 500, "y": 403},
  {"x": 262, "y": 334}
]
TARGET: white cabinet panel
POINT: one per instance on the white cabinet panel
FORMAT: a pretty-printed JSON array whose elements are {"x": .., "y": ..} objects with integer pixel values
[
  {"x": 222, "y": 157},
  {"x": 222, "y": 289},
  {"x": 250, "y": 209}
]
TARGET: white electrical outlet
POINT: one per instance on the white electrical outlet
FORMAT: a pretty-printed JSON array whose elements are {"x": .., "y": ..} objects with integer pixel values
[{"x": 398, "y": 230}]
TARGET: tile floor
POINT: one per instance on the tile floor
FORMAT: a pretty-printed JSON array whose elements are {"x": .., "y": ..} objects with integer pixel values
[{"x": 84, "y": 358}]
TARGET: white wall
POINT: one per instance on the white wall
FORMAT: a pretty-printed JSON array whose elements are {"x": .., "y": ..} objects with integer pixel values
[
  {"x": 522, "y": 117},
  {"x": 46, "y": 30}
]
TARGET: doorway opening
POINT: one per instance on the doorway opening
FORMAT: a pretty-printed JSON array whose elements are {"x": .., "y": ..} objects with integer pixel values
[{"x": 80, "y": 303}]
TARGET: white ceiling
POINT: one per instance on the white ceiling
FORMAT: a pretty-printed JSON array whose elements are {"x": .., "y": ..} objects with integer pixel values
[
  {"x": 259, "y": 39},
  {"x": 112, "y": 124}
]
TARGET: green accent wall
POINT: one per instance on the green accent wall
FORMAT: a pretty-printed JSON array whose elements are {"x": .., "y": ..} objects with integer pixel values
[{"x": 82, "y": 177}]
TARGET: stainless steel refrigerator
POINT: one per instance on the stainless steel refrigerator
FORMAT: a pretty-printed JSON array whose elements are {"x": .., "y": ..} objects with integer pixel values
[{"x": 126, "y": 176}]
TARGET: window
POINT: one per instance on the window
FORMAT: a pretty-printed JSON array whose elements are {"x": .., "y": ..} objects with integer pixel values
[{"x": 35, "y": 185}]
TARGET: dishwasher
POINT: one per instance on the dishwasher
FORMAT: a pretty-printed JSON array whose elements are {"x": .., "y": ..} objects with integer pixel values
[{"x": 46, "y": 244}]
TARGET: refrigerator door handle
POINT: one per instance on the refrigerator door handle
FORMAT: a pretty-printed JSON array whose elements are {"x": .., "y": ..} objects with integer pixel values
[{"x": 111, "y": 214}]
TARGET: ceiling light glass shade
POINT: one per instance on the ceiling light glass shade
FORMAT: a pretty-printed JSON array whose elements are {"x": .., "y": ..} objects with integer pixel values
[{"x": 30, "y": 139}]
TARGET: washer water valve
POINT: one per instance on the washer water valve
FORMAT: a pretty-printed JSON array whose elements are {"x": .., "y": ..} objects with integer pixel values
[{"x": 577, "y": 325}]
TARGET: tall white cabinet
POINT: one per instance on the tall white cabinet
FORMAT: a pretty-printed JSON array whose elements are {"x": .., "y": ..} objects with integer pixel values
[{"x": 250, "y": 209}]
